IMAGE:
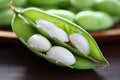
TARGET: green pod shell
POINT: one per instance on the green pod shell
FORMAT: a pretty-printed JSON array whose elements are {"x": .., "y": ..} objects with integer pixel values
[
  {"x": 82, "y": 60},
  {"x": 24, "y": 30}
]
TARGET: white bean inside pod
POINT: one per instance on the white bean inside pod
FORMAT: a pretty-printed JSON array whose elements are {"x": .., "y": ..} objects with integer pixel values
[
  {"x": 52, "y": 30},
  {"x": 39, "y": 42},
  {"x": 80, "y": 42},
  {"x": 62, "y": 55}
]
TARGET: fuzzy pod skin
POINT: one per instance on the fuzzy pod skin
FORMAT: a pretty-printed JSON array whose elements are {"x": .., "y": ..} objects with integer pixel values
[
  {"x": 61, "y": 54},
  {"x": 53, "y": 30},
  {"x": 39, "y": 42},
  {"x": 33, "y": 14},
  {"x": 92, "y": 21},
  {"x": 63, "y": 13}
]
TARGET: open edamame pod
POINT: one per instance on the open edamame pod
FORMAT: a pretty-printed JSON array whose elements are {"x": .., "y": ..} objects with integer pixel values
[{"x": 24, "y": 30}]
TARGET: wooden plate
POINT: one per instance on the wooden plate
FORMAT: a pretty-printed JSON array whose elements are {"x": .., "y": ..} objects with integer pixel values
[
  {"x": 108, "y": 35},
  {"x": 113, "y": 34}
]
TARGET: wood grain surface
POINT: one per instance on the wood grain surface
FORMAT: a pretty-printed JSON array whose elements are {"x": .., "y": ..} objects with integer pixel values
[{"x": 18, "y": 63}]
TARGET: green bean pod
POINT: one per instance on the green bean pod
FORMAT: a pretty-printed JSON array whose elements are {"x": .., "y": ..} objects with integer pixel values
[{"x": 24, "y": 26}]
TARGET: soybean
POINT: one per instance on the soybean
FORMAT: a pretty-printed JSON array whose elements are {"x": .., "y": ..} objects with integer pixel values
[{"x": 39, "y": 42}]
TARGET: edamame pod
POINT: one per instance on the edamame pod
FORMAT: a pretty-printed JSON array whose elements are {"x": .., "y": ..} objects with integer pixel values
[
  {"x": 110, "y": 6},
  {"x": 63, "y": 13},
  {"x": 91, "y": 20},
  {"x": 6, "y": 17},
  {"x": 82, "y": 4},
  {"x": 33, "y": 14},
  {"x": 24, "y": 31}
]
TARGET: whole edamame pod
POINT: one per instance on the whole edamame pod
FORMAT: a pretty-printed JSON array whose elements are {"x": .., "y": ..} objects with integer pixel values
[
  {"x": 63, "y": 13},
  {"x": 6, "y": 17},
  {"x": 92, "y": 21},
  {"x": 31, "y": 15},
  {"x": 82, "y": 4},
  {"x": 110, "y": 6}
]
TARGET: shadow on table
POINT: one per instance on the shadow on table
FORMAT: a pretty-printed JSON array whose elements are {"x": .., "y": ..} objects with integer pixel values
[
  {"x": 46, "y": 71},
  {"x": 21, "y": 64}
]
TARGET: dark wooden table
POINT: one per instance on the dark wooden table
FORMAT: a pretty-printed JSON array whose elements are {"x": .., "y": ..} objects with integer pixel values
[{"x": 18, "y": 63}]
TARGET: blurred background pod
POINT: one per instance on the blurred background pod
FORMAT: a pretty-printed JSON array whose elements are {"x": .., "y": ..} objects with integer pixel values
[
  {"x": 17, "y": 3},
  {"x": 40, "y": 3},
  {"x": 111, "y": 7},
  {"x": 66, "y": 8},
  {"x": 6, "y": 14},
  {"x": 94, "y": 20},
  {"x": 82, "y": 4},
  {"x": 62, "y": 13},
  {"x": 6, "y": 17},
  {"x": 64, "y": 4}
]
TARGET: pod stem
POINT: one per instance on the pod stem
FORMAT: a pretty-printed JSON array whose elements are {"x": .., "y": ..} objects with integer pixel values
[{"x": 13, "y": 8}]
